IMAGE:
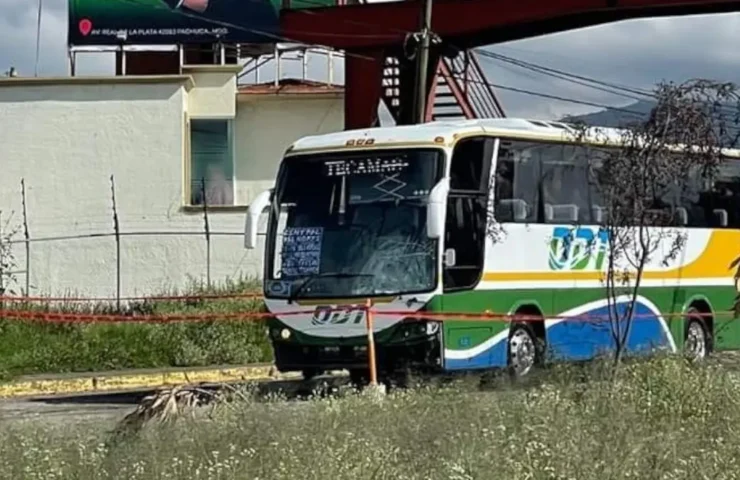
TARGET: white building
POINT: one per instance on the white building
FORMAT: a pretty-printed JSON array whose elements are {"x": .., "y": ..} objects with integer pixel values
[{"x": 157, "y": 136}]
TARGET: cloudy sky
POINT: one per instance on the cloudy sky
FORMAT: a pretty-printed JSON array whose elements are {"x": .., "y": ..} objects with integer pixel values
[{"x": 636, "y": 53}]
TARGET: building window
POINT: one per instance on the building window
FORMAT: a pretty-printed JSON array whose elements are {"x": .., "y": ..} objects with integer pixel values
[{"x": 212, "y": 162}]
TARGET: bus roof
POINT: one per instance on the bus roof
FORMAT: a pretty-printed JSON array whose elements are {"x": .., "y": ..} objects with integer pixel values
[{"x": 441, "y": 133}]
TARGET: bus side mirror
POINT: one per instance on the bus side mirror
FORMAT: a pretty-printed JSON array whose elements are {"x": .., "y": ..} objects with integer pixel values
[
  {"x": 254, "y": 212},
  {"x": 436, "y": 209}
]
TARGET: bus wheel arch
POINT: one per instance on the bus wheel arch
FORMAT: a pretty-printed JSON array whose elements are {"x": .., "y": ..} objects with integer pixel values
[
  {"x": 526, "y": 341},
  {"x": 698, "y": 329}
]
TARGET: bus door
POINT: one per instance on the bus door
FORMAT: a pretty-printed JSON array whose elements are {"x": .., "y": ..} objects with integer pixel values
[{"x": 464, "y": 247}]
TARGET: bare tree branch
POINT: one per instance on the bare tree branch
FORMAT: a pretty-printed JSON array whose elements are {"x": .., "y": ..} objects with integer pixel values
[
  {"x": 655, "y": 165},
  {"x": 8, "y": 262}
]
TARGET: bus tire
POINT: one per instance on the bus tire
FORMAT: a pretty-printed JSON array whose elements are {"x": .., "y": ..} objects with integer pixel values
[
  {"x": 696, "y": 336},
  {"x": 311, "y": 373},
  {"x": 522, "y": 352},
  {"x": 359, "y": 378}
]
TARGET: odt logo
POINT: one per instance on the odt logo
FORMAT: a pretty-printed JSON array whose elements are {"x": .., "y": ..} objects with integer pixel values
[
  {"x": 338, "y": 315},
  {"x": 578, "y": 248}
]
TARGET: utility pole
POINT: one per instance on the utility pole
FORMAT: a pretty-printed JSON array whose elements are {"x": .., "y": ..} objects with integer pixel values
[
  {"x": 423, "y": 63},
  {"x": 38, "y": 38}
]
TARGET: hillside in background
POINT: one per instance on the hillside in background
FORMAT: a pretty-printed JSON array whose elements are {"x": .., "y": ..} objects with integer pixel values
[
  {"x": 629, "y": 114},
  {"x": 615, "y": 118}
]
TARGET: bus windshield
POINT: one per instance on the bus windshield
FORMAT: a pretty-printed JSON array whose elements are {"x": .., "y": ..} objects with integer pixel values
[{"x": 353, "y": 224}]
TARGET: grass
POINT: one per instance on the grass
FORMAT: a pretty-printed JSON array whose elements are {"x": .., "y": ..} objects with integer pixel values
[
  {"x": 660, "y": 419},
  {"x": 34, "y": 347}
]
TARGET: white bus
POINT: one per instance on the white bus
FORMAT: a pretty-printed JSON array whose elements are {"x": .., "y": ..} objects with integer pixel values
[{"x": 406, "y": 216}]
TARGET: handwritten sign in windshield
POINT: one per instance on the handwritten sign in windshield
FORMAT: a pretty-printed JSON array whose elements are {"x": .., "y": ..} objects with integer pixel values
[
  {"x": 301, "y": 252},
  {"x": 365, "y": 166}
]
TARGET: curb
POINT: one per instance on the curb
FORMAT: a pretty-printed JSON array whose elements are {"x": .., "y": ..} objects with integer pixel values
[{"x": 132, "y": 380}]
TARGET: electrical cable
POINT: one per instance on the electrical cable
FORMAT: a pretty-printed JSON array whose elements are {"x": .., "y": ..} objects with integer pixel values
[
  {"x": 581, "y": 80},
  {"x": 556, "y": 73}
]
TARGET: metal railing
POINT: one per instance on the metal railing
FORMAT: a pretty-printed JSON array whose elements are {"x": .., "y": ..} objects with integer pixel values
[
  {"x": 255, "y": 67},
  {"x": 298, "y": 4},
  {"x": 465, "y": 75}
]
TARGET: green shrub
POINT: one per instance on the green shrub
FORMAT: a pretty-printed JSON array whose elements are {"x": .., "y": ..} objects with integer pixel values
[{"x": 35, "y": 347}]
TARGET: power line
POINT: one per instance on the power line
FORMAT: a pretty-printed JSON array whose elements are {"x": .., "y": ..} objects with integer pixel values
[
  {"x": 538, "y": 68},
  {"x": 609, "y": 88},
  {"x": 580, "y": 79},
  {"x": 563, "y": 74},
  {"x": 328, "y": 34},
  {"x": 263, "y": 33},
  {"x": 556, "y": 73},
  {"x": 583, "y": 83},
  {"x": 633, "y": 93},
  {"x": 549, "y": 96}
]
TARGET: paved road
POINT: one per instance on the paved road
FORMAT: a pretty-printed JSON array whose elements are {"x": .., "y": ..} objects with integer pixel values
[
  {"x": 16, "y": 411},
  {"x": 111, "y": 407}
]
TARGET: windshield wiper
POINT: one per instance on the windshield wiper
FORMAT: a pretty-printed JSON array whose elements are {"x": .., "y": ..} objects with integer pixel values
[{"x": 294, "y": 294}]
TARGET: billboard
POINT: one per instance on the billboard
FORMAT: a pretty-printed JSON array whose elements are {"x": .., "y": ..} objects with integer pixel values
[{"x": 152, "y": 22}]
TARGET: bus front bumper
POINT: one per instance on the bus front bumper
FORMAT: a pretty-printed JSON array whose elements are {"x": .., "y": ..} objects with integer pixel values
[{"x": 421, "y": 351}]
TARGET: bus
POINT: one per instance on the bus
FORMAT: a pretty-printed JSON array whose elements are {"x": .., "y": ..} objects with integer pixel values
[{"x": 453, "y": 218}]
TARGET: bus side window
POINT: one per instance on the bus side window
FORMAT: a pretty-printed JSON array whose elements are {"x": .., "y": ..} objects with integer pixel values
[{"x": 467, "y": 211}]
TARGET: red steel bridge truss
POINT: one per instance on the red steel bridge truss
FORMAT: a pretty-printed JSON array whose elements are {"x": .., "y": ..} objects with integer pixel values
[{"x": 378, "y": 42}]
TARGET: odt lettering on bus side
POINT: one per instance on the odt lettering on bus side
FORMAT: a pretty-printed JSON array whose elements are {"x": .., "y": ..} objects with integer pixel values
[{"x": 578, "y": 248}]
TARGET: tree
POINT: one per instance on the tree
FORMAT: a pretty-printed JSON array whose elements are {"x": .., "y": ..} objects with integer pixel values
[
  {"x": 7, "y": 257},
  {"x": 658, "y": 162}
]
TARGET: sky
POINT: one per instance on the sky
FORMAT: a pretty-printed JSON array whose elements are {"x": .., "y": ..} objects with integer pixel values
[{"x": 637, "y": 53}]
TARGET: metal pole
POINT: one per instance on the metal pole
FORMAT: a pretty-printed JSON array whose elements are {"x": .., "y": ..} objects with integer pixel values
[
  {"x": 207, "y": 232},
  {"x": 304, "y": 65},
  {"x": 421, "y": 93},
  {"x": 2, "y": 262},
  {"x": 26, "y": 236},
  {"x": 38, "y": 38},
  {"x": 371, "y": 343},
  {"x": 277, "y": 66},
  {"x": 330, "y": 64},
  {"x": 118, "y": 243}
]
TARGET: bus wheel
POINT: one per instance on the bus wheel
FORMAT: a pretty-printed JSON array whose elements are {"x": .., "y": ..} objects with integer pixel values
[
  {"x": 359, "y": 378},
  {"x": 522, "y": 350},
  {"x": 696, "y": 342},
  {"x": 311, "y": 373}
]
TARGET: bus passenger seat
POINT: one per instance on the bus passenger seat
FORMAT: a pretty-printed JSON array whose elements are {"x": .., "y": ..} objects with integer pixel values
[
  {"x": 514, "y": 209},
  {"x": 566, "y": 212},
  {"x": 721, "y": 217},
  {"x": 597, "y": 214},
  {"x": 682, "y": 216}
]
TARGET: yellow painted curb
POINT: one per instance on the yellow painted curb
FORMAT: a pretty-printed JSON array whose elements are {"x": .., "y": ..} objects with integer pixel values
[{"x": 122, "y": 381}]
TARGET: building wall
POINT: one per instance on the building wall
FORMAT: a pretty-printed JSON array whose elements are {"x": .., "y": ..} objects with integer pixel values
[
  {"x": 67, "y": 139},
  {"x": 266, "y": 125},
  {"x": 214, "y": 92}
]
